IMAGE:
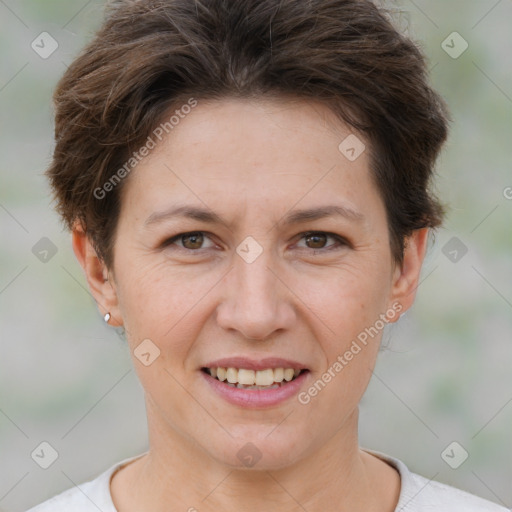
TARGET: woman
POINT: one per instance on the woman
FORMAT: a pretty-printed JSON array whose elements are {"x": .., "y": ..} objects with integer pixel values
[{"x": 248, "y": 188}]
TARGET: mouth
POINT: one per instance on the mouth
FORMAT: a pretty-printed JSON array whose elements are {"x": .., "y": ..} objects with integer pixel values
[{"x": 248, "y": 379}]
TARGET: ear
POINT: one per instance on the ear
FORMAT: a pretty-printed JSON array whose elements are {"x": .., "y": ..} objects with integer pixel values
[
  {"x": 406, "y": 277},
  {"x": 100, "y": 280}
]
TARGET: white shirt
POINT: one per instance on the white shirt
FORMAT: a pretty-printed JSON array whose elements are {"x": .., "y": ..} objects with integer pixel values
[{"x": 417, "y": 494}]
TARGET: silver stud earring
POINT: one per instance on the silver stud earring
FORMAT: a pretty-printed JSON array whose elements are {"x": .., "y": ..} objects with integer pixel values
[{"x": 107, "y": 318}]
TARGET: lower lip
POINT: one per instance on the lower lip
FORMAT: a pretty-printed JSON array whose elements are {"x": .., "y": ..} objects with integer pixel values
[{"x": 256, "y": 398}]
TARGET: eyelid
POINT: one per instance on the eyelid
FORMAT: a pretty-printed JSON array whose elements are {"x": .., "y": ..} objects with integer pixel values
[
  {"x": 341, "y": 241},
  {"x": 171, "y": 241}
]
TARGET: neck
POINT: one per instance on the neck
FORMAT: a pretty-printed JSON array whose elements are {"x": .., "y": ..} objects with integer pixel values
[{"x": 179, "y": 474}]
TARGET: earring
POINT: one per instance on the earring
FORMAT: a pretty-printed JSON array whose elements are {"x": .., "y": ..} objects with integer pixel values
[{"x": 107, "y": 318}]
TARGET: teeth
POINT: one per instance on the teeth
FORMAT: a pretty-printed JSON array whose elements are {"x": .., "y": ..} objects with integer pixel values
[
  {"x": 265, "y": 377},
  {"x": 221, "y": 373},
  {"x": 288, "y": 374},
  {"x": 241, "y": 386},
  {"x": 278, "y": 375},
  {"x": 232, "y": 375},
  {"x": 246, "y": 377},
  {"x": 250, "y": 379}
]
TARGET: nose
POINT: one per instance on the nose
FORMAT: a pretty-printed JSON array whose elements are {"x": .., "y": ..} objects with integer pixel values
[{"x": 257, "y": 301}]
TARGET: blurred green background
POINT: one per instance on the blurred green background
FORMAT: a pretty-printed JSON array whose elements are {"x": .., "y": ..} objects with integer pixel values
[{"x": 67, "y": 379}]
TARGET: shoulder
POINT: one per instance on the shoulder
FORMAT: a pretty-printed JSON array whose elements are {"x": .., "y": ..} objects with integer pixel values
[
  {"x": 90, "y": 496},
  {"x": 79, "y": 499},
  {"x": 419, "y": 494},
  {"x": 423, "y": 494}
]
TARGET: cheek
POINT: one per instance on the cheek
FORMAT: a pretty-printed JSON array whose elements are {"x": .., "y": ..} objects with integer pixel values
[
  {"x": 162, "y": 307},
  {"x": 350, "y": 308},
  {"x": 349, "y": 302},
  {"x": 158, "y": 303},
  {"x": 350, "y": 353}
]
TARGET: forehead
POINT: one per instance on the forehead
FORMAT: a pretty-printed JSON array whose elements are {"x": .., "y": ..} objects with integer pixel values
[
  {"x": 260, "y": 130},
  {"x": 234, "y": 153}
]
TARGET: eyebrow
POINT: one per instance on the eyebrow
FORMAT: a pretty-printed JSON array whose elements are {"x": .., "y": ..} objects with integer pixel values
[{"x": 294, "y": 217}]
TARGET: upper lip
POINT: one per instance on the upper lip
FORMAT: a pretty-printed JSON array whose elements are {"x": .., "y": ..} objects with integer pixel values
[{"x": 255, "y": 364}]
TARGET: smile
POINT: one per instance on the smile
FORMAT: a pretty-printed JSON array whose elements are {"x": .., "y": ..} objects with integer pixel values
[
  {"x": 255, "y": 389},
  {"x": 270, "y": 378}
]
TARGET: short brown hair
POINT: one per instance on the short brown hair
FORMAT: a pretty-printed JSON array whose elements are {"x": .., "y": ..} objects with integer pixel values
[{"x": 151, "y": 55}]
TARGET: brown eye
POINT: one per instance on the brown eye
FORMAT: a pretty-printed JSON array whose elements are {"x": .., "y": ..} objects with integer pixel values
[
  {"x": 317, "y": 240},
  {"x": 192, "y": 240}
]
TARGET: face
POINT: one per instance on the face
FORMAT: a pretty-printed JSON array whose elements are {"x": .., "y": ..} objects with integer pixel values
[{"x": 252, "y": 283}]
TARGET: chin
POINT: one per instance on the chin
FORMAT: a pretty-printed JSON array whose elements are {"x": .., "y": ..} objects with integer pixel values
[{"x": 257, "y": 447}]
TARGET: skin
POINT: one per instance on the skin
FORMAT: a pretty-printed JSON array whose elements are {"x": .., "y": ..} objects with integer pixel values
[{"x": 252, "y": 162}]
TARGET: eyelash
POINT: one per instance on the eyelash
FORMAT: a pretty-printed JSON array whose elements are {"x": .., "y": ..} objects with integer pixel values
[{"x": 341, "y": 242}]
